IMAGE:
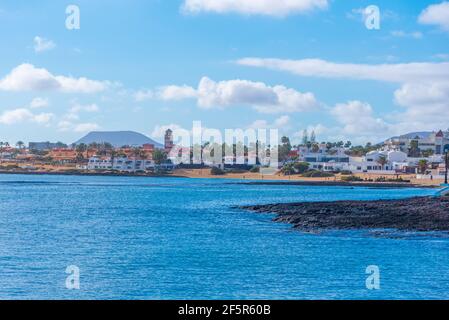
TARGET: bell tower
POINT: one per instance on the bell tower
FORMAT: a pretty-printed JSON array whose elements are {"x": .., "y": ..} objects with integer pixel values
[{"x": 168, "y": 140}]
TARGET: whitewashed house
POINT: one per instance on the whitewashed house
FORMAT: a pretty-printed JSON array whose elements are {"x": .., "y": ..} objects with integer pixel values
[
  {"x": 120, "y": 164},
  {"x": 338, "y": 160}
]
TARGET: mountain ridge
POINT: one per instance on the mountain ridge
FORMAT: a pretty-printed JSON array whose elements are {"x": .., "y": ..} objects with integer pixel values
[{"x": 118, "y": 138}]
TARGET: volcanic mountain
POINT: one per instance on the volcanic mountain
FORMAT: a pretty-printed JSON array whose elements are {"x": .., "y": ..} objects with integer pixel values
[{"x": 118, "y": 138}]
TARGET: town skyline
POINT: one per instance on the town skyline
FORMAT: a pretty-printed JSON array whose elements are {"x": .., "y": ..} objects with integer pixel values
[{"x": 314, "y": 65}]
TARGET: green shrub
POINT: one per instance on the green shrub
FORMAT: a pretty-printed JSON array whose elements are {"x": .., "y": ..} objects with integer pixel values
[
  {"x": 317, "y": 174},
  {"x": 288, "y": 169},
  {"x": 351, "y": 179},
  {"x": 301, "y": 167},
  {"x": 215, "y": 171},
  {"x": 255, "y": 169},
  {"x": 346, "y": 173},
  {"x": 237, "y": 171}
]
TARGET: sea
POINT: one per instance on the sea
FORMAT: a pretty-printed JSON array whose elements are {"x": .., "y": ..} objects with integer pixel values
[{"x": 105, "y": 237}]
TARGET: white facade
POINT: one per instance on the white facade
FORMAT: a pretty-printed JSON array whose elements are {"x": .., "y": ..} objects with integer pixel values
[
  {"x": 396, "y": 162},
  {"x": 434, "y": 142},
  {"x": 322, "y": 155},
  {"x": 120, "y": 164}
]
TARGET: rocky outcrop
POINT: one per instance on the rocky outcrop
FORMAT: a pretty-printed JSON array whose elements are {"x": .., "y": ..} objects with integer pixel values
[{"x": 415, "y": 214}]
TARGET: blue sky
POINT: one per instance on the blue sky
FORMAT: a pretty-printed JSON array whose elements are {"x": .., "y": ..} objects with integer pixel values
[{"x": 147, "y": 65}]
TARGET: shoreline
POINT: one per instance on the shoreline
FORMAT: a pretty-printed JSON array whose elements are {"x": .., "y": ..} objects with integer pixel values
[
  {"x": 387, "y": 185},
  {"x": 90, "y": 174},
  {"x": 418, "y": 214},
  {"x": 252, "y": 179}
]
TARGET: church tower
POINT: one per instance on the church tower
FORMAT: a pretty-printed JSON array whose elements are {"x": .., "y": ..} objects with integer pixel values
[{"x": 168, "y": 140}]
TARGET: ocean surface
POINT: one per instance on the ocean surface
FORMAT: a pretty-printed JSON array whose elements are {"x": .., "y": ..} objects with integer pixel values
[{"x": 174, "y": 238}]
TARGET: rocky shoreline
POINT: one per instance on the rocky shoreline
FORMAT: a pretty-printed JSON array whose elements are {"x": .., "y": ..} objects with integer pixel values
[{"x": 414, "y": 214}]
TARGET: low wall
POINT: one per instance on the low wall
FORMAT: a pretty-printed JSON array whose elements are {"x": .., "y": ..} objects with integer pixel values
[{"x": 429, "y": 177}]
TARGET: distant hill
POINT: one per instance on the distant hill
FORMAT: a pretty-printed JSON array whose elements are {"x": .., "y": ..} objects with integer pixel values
[
  {"x": 118, "y": 138},
  {"x": 411, "y": 135}
]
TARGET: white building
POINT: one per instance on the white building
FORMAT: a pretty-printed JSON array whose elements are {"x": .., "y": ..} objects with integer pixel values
[
  {"x": 434, "y": 142},
  {"x": 395, "y": 161},
  {"x": 322, "y": 155},
  {"x": 120, "y": 164}
]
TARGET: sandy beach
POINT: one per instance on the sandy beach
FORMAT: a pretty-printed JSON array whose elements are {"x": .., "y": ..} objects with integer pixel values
[
  {"x": 205, "y": 173},
  {"x": 5, "y": 168}
]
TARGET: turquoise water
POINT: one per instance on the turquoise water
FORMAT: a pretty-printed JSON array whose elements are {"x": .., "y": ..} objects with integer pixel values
[{"x": 168, "y": 238}]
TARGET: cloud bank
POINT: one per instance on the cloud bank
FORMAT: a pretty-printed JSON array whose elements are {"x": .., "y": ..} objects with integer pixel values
[
  {"x": 27, "y": 77},
  {"x": 261, "y": 97},
  {"x": 436, "y": 14},
  {"x": 276, "y": 8}
]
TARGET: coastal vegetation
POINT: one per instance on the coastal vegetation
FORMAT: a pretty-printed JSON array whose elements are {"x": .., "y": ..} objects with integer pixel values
[
  {"x": 351, "y": 178},
  {"x": 215, "y": 171},
  {"x": 317, "y": 174},
  {"x": 295, "y": 168}
]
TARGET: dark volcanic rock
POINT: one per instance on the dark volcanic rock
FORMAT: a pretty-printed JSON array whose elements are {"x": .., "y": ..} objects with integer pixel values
[{"x": 415, "y": 214}]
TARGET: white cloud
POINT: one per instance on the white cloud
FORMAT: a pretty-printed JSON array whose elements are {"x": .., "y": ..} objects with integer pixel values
[
  {"x": 279, "y": 123},
  {"x": 425, "y": 103},
  {"x": 65, "y": 125},
  {"x": 39, "y": 102},
  {"x": 42, "y": 44},
  {"x": 277, "y": 8},
  {"x": 143, "y": 95},
  {"x": 418, "y": 71},
  {"x": 24, "y": 115},
  {"x": 167, "y": 93},
  {"x": 76, "y": 108},
  {"x": 79, "y": 128},
  {"x": 43, "y": 118},
  {"x": 225, "y": 93},
  {"x": 356, "y": 122},
  {"x": 27, "y": 77},
  {"x": 176, "y": 93},
  {"x": 263, "y": 98},
  {"x": 86, "y": 127},
  {"x": 318, "y": 129},
  {"x": 403, "y": 34},
  {"x": 357, "y": 118},
  {"x": 282, "y": 121},
  {"x": 321, "y": 132},
  {"x": 159, "y": 131},
  {"x": 423, "y": 94},
  {"x": 436, "y": 14},
  {"x": 441, "y": 56}
]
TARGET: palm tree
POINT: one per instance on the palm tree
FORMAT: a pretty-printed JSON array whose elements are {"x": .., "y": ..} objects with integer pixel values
[
  {"x": 288, "y": 169},
  {"x": 81, "y": 149},
  {"x": 414, "y": 150},
  {"x": 92, "y": 147},
  {"x": 20, "y": 145},
  {"x": 138, "y": 154},
  {"x": 159, "y": 157},
  {"x": 315, "y": 148},
  {"x": 422, "y": 165},
  {"x": 113, "y": 154},
  {"x": 383, "y": 160}
]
